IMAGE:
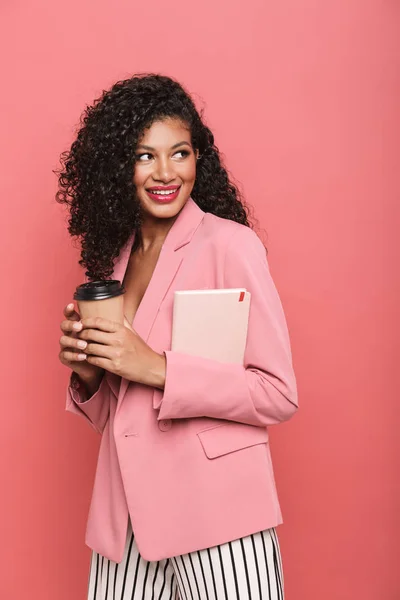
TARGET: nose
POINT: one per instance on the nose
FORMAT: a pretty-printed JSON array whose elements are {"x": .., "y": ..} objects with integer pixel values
[{"x": 164, "y": 171}]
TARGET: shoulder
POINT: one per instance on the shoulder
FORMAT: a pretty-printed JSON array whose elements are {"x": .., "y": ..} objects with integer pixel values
[{"x": 230, "y": 236}]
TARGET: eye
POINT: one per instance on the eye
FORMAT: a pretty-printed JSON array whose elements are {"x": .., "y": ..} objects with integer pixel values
[
  {"x": 183, "y": 153},
  {"x": 144, "y": 157}
]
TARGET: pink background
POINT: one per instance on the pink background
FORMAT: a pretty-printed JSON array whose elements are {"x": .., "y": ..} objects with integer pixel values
[{"x": 303, "y": 98}]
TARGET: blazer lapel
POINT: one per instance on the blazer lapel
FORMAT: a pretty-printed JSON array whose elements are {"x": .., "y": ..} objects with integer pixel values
[{"x": 170, "y": 259}]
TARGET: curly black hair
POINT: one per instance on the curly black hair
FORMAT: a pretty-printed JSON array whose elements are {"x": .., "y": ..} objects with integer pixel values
[{"x": 96, "y": 178}]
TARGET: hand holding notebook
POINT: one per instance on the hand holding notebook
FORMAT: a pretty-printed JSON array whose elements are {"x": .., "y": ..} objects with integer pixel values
[{"x": 211, "y": 323}]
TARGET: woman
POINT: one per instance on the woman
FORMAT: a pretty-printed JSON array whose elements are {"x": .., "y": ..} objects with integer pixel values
[{"x": 184, "y": 502}]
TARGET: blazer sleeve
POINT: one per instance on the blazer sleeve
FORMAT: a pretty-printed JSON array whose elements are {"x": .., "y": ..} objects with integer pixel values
[
  {"x": 262, "y": 391},
  {"x": 95, "y": 409}
]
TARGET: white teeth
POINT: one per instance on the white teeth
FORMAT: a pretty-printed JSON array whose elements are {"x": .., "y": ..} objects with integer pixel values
[{"x": 163, "y": 192}]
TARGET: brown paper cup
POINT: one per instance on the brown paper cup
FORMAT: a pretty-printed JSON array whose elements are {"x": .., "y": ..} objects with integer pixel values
[{"x": 101, "y": 299}]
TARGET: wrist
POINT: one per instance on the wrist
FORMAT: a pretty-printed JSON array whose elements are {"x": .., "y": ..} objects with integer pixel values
[
  {"x": 91, "y": 383},
  {"x": 157, "y": 372}
]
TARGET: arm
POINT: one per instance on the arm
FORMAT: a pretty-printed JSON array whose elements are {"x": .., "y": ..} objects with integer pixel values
[
  {"x": 96, "y": 407},
  {"x": 263, "y": 391},
  {"x": 88, "y": 393}
]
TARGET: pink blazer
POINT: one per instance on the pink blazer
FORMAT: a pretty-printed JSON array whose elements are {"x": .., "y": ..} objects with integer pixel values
[{"x": 191, "y": 464}]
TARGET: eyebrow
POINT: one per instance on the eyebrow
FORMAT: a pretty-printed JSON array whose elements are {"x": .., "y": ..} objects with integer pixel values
[{"x": 172, "y": 148}]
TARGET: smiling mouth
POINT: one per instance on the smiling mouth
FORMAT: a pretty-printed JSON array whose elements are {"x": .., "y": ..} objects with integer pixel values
[
  {"x": 164, "y": 190},
  {"x": 166, "y": 193}
]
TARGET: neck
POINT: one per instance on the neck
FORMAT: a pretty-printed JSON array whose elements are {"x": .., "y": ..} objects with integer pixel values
[{"x": 153, "y": 233}]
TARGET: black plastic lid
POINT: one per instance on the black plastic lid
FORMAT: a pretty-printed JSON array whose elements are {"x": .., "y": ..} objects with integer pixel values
[{"x": 99, "y": 290}]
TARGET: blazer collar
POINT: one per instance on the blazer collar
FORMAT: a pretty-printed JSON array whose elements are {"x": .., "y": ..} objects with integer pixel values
[
  {"x": 184, "y": 226},
  {"x": 178, "y": 236},
  {"x": 170, "y": 259}
]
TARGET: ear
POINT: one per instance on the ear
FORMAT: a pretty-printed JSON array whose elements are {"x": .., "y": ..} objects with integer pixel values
[{"x": 197, "y": 154}]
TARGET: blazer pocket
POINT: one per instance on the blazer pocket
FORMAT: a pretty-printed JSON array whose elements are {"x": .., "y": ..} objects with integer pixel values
[{"x": 224, "y": 439}]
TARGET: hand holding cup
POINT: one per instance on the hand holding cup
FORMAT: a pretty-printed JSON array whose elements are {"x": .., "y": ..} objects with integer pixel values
[
  {"x": 95, "y": 299},
  {"x": 72, "y": 349}
]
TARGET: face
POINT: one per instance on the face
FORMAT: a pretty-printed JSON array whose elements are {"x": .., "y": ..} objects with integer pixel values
[{"x": 165, "y": 169}]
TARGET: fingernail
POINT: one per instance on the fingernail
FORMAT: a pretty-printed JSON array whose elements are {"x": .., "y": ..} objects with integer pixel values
[
  {"x": 70, "y": 306},
  {"x": 81, "y": 356},
  {"x": 82, "y": 344},
  {"x": 77, "y": 326}
]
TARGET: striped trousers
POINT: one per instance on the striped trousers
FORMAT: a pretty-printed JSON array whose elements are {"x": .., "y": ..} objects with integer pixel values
[{"x": 249, "y": 568}]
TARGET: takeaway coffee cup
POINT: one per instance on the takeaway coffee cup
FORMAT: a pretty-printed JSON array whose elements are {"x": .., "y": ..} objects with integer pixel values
[{"x": 101, "y": 299}]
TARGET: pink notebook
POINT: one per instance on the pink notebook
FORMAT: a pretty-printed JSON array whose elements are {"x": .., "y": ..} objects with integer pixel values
[{"x": 211, "y": 323}]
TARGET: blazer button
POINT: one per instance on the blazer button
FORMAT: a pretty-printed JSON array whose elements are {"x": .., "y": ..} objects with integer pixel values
[{"x": 165, "y": 425}]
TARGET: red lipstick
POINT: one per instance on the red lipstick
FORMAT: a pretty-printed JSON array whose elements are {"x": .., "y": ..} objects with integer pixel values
[{"x": 163, "y": 193}]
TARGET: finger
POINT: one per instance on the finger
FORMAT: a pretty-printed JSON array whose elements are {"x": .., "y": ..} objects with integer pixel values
[
  {"x": 127, "y": 324},
  {"x": 100, "y": 350},
  {"x": 70, "y": 326},
  {"x": 73, "y": 356},
  {"x": 67, "y": 341},
  {"x": 100, "y": 323},
  {"x": 95, "y": 335},
  {"x": 71, "y": 313},
  {"x": 103, "y": 363}
]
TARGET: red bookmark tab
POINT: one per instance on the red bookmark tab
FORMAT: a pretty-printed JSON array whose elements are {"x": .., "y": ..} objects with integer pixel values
[{"x": 241, "y": 297}]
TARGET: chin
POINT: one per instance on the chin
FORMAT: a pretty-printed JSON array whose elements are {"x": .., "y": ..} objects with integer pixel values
[{"x": 163, "y": 211}]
